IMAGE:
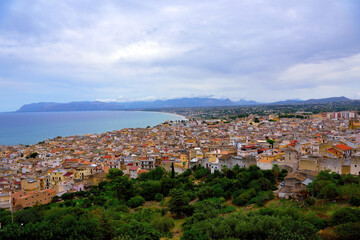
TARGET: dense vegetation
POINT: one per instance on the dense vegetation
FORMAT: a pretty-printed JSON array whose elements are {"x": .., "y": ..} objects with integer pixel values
[{"x": 232, "y": 204}]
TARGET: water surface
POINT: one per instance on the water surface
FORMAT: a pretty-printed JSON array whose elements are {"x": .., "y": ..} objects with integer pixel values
[{"x": 33, "y": 127}]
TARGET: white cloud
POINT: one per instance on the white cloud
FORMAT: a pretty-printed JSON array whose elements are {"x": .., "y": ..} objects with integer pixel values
[
  {"x": 334, "y": 71},
  {"x": 252, "y": 48}
]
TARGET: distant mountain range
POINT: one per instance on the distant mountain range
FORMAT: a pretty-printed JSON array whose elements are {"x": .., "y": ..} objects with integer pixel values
[
  {"x": 171, "y": 103},
  {"x": 312, "y": 101}
]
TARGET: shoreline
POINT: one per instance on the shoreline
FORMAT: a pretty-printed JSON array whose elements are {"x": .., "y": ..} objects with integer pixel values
[{"x": 180, "y": 118}]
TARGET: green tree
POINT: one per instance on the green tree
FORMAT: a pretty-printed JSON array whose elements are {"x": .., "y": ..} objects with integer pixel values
[
  {"x": 172, "y": 170},
  {"x": 296, "y": 230},
  {"x": 270, "y": 141},
  {"x": 348, "y": 231},
  {"x": 194, "y": 234},
  {"x": 148, "y": 189},
  {"x": 122, "y": 186},
  {"x": 32, "y": 155},
  {"x": 113, "y": 173},
  {"x": 159, "y": 197},
  {"x": 163, "y": 224},
  {"x": 135, "y": 201},
  {"x": 179, "y": 202},
  {"x": 330, "y": 191},
  {"x": 276, "y": 171}
]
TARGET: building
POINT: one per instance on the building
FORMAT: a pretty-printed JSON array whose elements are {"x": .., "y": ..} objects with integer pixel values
[{"x": 29, "y": 199}]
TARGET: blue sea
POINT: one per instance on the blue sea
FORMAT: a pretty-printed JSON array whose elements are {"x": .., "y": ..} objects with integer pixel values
[{"x": 33, "y": 127}]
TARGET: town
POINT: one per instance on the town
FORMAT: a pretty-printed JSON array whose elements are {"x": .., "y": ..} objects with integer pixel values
[{"x": 304, "y": 146}]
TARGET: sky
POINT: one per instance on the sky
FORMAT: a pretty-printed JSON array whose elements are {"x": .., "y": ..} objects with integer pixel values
[{"x": 86, "y": 50}]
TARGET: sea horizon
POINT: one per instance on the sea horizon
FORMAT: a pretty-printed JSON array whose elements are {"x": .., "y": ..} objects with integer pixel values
[{"x": 29, "y": 128}]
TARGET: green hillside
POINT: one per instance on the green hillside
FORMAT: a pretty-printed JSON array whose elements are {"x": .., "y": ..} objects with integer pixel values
[{"x": 233, "y": 204}]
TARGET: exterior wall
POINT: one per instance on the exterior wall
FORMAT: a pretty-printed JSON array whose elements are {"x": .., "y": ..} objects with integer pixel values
[
  {"x": 4, "y": 200},
  {"x": 214, "y": 167},
  {"x": 148, "y": 164},
  {"x": 290, "y": 156},
  {"x": 78, "y": 187},
  {"x": 264, "y": 166},
  {"x": 35, "y": 197},
  {"x": 324, "y": 146},
  {"x": 345, "y": 169},
  {"x": 133, "y": 174},
  {"x": 334, "y": 165},
  {"x": 56, "y": 177},
  {"x": 30, "y": 185},
  {"x": 248, "y": 161},
  {"x": 355, "y": 167},
  {"x": 309, "y": 164},
  {"x": 83, "y": 172}
]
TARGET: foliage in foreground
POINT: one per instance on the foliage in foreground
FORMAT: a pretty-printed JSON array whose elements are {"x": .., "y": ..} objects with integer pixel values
[{"x": 115, "y": 208}]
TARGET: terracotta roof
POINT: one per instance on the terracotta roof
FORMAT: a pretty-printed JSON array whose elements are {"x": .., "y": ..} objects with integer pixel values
[
  {"x": 334, "y": 151},
  {"x": 134, "y": 168},
  {"x": 343, "y": 147}
]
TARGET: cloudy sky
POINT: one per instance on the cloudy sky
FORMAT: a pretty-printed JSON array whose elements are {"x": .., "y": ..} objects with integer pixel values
[{"x": 75, "y": 50}]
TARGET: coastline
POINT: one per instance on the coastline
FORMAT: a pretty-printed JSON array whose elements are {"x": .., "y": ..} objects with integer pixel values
[
  {"x": 24, "y": 129},
  {"x": 175, "y": 114}
]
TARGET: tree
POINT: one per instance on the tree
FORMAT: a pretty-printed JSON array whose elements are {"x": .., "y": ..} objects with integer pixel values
[
  {"x": 155, "y": 174},
  {"x": 348, "y": 231},
  {"x": 32, "y": 155},
  {"x": 163, "y": 224},
  {"x": 194, "y": 234},
  {"x": 330, "y": 191},
  {"x": 276, "y": 171},
  {"x": 105, "y": 228},
  {"x": 159, "y": 197},
  {"x": 114, "y": 172},
  {"x": 122, "y": 186},
  {"x": 270, "y": 141},
  {"x": 354, "y": 201},
  {"x": 297, "y": 230},
  {"x": 345, "y": 215},
  {"x": 148, "y": 189},
  {"x": 172, "y": 170},
  {"x": 179, "y": 202},
  {"x": 136, "y": 201}
]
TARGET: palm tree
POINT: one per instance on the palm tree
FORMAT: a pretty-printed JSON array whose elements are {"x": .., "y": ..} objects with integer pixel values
[{"x": 276, "y": 171}]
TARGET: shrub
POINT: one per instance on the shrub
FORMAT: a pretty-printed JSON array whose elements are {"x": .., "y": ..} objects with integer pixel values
[
  {"x": 163, "y": 224},
  {"x": 330, "y": 191},
  {"x": 68, "y": 196},
  {"x": 159, "y": 197},
  {"x": 201, "y": 172},
  {"x": 122, "y": 208},
  {"x": 345, "y": 215},
  {"x": 194, "y": 234},
  {"x": 348, "y": 231},
  {"x": 354, "y": 201},
  {"x": 244, "y": 198},
  {"x": 309, "y": 201},
  {"x": 228, "y": 209},
  {"x": 135, "y": 201}
]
